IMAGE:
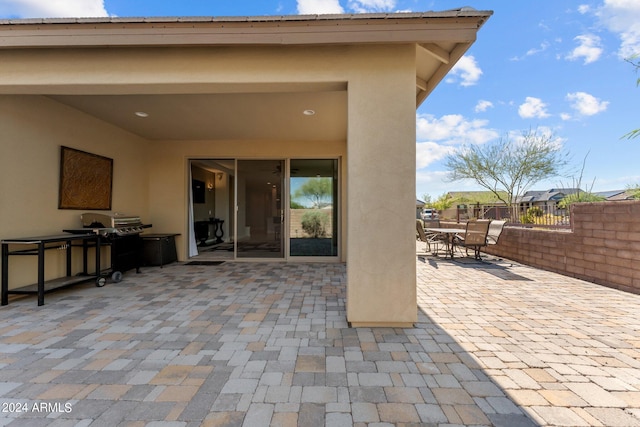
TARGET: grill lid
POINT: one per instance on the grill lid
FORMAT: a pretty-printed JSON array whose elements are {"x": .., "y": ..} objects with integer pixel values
[{"x": 115, "y": 220}]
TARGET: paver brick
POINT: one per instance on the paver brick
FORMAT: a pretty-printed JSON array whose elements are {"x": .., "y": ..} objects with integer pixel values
[
  {"x": 452, "y": 396},
  {"x": 398, "y": 413},
  {"x": 595, "y": 395},
  {"x": 559, "y": 416},
  {"x": 496, "y": 343},
  {"x": 472, "y": 415}
]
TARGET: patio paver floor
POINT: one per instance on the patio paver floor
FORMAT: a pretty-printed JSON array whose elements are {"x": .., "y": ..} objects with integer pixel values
[{"x": 268, "y": 344}]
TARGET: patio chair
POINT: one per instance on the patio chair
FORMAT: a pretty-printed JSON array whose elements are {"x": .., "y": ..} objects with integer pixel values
[
  {"x": 495, "y": 230},
  {"x": 431, "y": 223},
  {"x": 475, "y": 236},
  {"x": 428, "y": 237}
]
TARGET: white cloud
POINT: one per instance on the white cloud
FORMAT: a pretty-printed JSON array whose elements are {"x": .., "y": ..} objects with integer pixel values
[
  {"x": 433, "y": 183},
  {"x": 543, "y": 46},
  {"x": 356, "y": 6},
  {"x": 584, "y": 8},
  {"x": 622, "y": 17},
  {"x": 541, "y": 132},
  {"x": 483, "y": 106},
  {"x": 52, "y": 8},
  {"x": 438, "y": 137},
  {"x": 365, "y": 6},
  {"x": 468, "y": 70},
  {"x": 453, "y": 129},
  {"x": 533, "y": 51},
  {"x": 319, "y": 7},
  {"x": 430, "y": 152},
  {"x": 586, "y": 104},
  {"x": 533, "y": 107},
  {"x": 589, "y": 48}
]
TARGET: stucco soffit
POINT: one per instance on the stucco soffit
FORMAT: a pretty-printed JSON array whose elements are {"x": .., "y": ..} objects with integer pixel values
[{"x": 439, "y": 62}]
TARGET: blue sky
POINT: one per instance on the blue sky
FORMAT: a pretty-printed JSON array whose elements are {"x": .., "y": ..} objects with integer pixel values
[{"x": 556, "y": 66}]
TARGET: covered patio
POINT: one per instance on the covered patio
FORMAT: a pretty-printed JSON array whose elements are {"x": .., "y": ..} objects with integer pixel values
[
  {"x": 496, "y": 343},
  {"x": 209, "y": 122}
]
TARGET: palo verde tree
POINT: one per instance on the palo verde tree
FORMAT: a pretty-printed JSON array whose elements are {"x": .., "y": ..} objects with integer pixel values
[
  {"x": 509, "y": 166},
  {"x": 443, "y": 202},
  {"x": 316, "y": 190}
]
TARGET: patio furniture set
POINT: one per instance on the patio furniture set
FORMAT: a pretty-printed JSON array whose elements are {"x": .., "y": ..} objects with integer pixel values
[{"x": 477, "y": 234}]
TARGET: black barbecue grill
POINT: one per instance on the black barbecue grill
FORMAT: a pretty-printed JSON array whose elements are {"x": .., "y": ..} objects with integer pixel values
[{"x": 122, "y": 233}]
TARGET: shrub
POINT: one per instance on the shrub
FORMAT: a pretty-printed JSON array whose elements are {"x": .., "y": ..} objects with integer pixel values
[
  {"x": 532, "y": 216},
  {"x": 535, "y": 211},
  {"x": 314, "y": 223}
]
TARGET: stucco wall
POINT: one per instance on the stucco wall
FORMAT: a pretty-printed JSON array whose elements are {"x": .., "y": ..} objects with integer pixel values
[
  {"x": 32, "y": 129},
  {"x": 381, "y": 183},
  {"x": 603, "y": 246}
]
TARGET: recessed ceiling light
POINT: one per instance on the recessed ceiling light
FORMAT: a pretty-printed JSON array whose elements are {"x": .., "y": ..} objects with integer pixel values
[
  {"x": 141, "y": 114},
  {"x": 308, "y": 112}
]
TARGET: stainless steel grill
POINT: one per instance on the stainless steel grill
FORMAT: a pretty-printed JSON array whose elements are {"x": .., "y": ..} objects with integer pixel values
[
  {"x": 122, "y": 233},
  {"x": 116, "y": 223}
]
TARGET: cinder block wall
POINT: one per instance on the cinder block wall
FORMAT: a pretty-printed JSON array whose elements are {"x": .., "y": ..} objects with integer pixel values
[{"x": 603, "y": 246}]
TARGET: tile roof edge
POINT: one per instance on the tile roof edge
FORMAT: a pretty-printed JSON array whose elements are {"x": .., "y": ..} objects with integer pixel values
[{"x": 249, "y": 19}]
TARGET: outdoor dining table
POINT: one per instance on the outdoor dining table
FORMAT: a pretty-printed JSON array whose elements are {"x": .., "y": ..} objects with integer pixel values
[{"x": 449, "y": 233}]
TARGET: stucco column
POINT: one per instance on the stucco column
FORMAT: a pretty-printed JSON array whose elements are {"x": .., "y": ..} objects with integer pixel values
[{"x": 381, "y": 168}]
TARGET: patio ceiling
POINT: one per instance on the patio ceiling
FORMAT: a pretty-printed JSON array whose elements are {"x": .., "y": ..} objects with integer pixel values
[
  {"x": 240, "y": 111},
  {"x": 222, "y": 116}
]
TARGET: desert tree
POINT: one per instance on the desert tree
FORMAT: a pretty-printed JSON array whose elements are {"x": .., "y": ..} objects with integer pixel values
[
  {"x": 443, "y": 202},
  {"x": 509, "y": 166},
  {"x": 316, "y": 190}
]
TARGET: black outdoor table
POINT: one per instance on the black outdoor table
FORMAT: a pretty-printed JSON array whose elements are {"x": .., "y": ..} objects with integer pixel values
[{"x": 36, "y": 246}]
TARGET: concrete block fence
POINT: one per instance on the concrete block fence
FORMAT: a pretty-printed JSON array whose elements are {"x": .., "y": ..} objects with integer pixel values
[{"x": 603, "y": 245}]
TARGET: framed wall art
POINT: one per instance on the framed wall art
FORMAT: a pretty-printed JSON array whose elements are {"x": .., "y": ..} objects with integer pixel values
[{"x": 85, "y": 180}]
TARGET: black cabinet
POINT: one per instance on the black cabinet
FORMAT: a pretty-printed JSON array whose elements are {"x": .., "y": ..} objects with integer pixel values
[
  {"x": 159, "y": 249},
  {"x": 125, "y": 253}
]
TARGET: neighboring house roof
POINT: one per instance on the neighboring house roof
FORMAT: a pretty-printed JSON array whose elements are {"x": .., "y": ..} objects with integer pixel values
[
  {"x": 553, "y": 194},
  {"x": 542, "y": 196},
  {"x": 622, "y": 196},
  {"x": 479, "y": 196},
  {"x": 616, "y": 194}
]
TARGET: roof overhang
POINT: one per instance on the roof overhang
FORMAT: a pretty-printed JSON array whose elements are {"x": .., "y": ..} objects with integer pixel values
[
  {"x": 458, "y": 26},
  {"x": 440, "y": 40}
]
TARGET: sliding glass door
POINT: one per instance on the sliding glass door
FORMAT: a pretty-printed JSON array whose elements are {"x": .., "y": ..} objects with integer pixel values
[
  {"x": 313, "y": 208},
  {"x": 260, "y": 216},
  {"x": 265, "y": 209}
]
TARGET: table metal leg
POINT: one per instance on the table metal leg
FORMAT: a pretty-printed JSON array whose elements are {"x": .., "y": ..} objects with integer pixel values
[
  {"x": 40, "y": 273},
  {"x": 68, "y": 249},
  {"x": 97, "y": 257},
  {"x": 5, "y": 274}
]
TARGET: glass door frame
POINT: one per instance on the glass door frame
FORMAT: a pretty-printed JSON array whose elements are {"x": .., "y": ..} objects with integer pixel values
[
  {"x": 285, "y": 206},
  {"x": 336, "y": 217}
]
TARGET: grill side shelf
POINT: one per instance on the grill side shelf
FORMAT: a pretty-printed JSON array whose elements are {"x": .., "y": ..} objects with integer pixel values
[{"x": 42, "y": 244}]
